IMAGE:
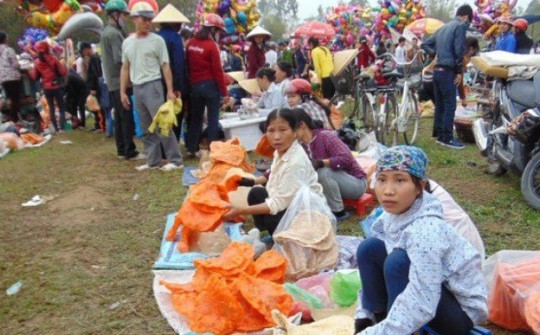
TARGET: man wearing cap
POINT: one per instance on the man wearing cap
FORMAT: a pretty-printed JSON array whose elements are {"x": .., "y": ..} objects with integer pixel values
[
  {"x": 144, "y": 58},
  {"x": 111, "y": 52},
  {"x": 506, "y": 40},
  {"x": 170, "y": 20}
]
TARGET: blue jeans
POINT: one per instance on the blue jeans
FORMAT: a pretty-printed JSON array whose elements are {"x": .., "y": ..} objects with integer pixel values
[
  {"x": 57, "y": 95},
  {"x": 445, "y": 104},
  {"x": 385, "y": 276},
  {"x": 203, "y": 94}
]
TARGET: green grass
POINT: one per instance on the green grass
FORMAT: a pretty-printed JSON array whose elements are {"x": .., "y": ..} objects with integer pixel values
[{"x": 93, "y": 245}]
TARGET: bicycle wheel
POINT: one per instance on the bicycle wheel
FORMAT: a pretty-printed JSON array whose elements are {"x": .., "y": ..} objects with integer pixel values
[
  {"x": 367, "y": 116},
  {"x": 412, "y": 120},
  {"x": 387, "y": 133}
]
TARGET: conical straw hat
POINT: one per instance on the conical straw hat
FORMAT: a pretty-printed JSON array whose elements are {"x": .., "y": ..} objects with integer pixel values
[
  {"x": 250, "y": 85},
  {"x": 342, "y": 59},
  {"x": 170, "y": 14},
  {"x": 237, "y": 75},
  {"x": 258, "y": 31}
]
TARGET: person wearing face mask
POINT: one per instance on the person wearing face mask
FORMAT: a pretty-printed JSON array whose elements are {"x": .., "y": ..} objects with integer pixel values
[
  {"x": 449, "y": 45},
  {"x": 256, "y": 57},
  {"x": 207, "y": 79},
  {"x": 111, "y": 52},
  {"x": 145, "y": 62}
]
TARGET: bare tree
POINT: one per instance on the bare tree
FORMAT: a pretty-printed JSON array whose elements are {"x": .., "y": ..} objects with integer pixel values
[{"x": 441, "y": 10}]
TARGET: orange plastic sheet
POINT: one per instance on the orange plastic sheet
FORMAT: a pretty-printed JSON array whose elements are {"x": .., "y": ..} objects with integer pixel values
[
  {"x": 32, "y": 138},
  {"x": 514, "y": 302},
  {"x": 232, "y": 293},
  {"x": 208, "y": 200},
  {"x": 264, "y": 148}
]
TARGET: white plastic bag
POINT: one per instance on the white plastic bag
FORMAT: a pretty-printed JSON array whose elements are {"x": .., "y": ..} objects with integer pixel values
[{"x": 306, "y": 236}]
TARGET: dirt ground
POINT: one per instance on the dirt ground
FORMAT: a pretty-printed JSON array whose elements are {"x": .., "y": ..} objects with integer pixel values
[{"x": 85, "y": 256}]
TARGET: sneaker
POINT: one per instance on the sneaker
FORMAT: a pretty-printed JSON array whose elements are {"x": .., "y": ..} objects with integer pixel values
[
  {"x": 453, "y": 144},
  {"x": 138, "y": 157},
  {"x": 171, "y": 166},
  {"x": 145, "y": 167},
  {"x": 342, "y": 216}
]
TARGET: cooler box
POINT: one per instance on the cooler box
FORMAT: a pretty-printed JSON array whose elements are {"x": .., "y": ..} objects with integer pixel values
[{"x": 246, "y": 130}]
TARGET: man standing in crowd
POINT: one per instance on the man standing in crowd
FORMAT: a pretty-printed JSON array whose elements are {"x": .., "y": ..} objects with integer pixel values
[
  {"x": 271, "y": 55},
  {"x": 506, "y": 40},
  {"x": 400, "y": 51},
  {"x": 300, "y": 60},
  {"x": 144, "y": 58},
  {"x": 449, "y": 45},
  {"x": 93, "y": 73},
  {"x": 170, "y": 20},
  {"x": 111, "y": 49},
  {"x": 10, "y": 77}
]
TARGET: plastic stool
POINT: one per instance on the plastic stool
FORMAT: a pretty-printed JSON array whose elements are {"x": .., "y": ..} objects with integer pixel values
[
  {"x": 361, "y": 205},
  {"x": 426, "y": 330}
]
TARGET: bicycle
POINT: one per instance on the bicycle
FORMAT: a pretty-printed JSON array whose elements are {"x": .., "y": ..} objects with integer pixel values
[{"x": 407, "y": 109}]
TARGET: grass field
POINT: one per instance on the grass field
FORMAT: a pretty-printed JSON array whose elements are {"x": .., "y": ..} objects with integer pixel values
[{"x": 85, "y": 256}]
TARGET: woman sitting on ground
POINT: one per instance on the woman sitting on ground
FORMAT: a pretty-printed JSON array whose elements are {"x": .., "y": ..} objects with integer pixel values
[
  {"x": 339, "y": 173},
  {"x": 300, "y": 95},
  {"x": 272, "y": 96},
  {"x": 291, "y": 169},
  {"x": 416, "y": 270}
]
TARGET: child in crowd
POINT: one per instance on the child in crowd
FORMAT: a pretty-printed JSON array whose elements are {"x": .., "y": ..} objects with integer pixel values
[
  {"x": 290, "y": 170},
  {"x": 339, "y": 173},
  {"x": 416, "y": 270},
  {"x": 272, "y": 96},
  {"x": 300, "y": 95}
]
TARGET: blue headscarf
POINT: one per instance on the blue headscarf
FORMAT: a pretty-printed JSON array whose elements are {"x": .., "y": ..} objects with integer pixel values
[{"x": 412, "y": 160}]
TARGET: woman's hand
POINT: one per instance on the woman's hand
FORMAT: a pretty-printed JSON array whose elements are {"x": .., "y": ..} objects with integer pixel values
[{"x": 232, "y": 214}]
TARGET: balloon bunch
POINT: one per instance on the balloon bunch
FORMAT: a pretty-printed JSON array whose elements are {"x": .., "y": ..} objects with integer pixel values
[
  {"x": 30, "y": 37},
  {"x": 488, "y": 12},
  {"x": 240, "y": 16},
  {"x": 350, "y": 21},
  {"x": 52, "y": 14}
]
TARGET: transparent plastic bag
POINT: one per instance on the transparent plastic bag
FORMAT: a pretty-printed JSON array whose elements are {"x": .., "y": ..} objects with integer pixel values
[
  {"x": 306, "y": 236},
  {"x": 301, "y": 295},
  {"x": 513, "y": 279}
]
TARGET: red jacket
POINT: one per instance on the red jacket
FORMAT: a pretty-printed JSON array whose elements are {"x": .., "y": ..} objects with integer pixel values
[
  {"x": 204, "y": 63},
  {"x": 366, "y": 57},
  {"x": 48, "y": 71},
  {"x": 255, "y": 60}
]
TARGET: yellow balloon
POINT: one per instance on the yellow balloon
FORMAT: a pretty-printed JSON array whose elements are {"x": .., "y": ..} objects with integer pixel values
[{"x": 240, "y": 29}]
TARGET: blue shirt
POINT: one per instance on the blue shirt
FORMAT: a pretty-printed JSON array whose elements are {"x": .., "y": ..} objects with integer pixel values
[
  {"x": 175, "y": 48},
  {"x": 449, "y": 45},
  {"x": 506, "y": 42},
  {"x": 300, "y": 60}
]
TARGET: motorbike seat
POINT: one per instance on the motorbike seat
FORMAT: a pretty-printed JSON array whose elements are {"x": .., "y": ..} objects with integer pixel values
[{"x": 525, "y": 92}]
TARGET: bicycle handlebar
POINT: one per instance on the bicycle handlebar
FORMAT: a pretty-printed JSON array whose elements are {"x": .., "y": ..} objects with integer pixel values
[{"x": 387, "y": 54}]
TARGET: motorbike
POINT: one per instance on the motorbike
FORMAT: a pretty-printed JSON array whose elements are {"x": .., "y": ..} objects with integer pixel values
[{"x": 508, "y": 133}]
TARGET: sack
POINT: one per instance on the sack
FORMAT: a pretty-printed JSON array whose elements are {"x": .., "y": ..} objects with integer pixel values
[
  {"x": 349, "y": 135},
  {"x": 306, "y": 236}
]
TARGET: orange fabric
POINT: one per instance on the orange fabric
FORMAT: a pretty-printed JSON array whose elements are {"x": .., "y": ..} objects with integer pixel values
[
  {"x": 514, "y": 302},
  {"x": 271, "y": 266},
  {"x": 264, "y": 148},
  {"x": 208, "y": 200},
  {"x": 32, "y": 138},
  {"x": 225, "y": 296},
  {"x": 336, "y": 117}
]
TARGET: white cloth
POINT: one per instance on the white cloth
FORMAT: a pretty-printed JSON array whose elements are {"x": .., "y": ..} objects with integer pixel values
[
  {"x": 439, "y": 256},
  {"x": 287, "y": 174},
  {"x": 80, "y": 67},
  {"x": 503, "y": 58},
  {"x": 401, "y": 55},
  {"x": 458, "y": 218},
  {"x": 271, "y": 58},
  {"x": 272, "y": 98}
]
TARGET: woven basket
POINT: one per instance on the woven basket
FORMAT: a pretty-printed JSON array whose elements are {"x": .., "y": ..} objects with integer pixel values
[{"x": 464, "y": 129}]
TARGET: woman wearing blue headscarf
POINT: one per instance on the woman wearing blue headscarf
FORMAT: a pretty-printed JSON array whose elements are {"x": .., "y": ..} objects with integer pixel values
[{"x": 416, "y": 269}]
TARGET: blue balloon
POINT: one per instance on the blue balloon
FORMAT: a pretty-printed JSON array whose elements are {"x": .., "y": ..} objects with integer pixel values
[
  {"x": 242, "y": 18},
  {"x": 229, "y": 26}
]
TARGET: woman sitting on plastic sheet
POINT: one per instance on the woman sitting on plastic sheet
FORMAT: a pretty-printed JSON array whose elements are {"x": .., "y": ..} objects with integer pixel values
[
  {"x": 339, "y": 173},
  {"x": 290, "y": 170},
  {"x": 416, "y": 269},
  {"x": 272, "y": 96}
]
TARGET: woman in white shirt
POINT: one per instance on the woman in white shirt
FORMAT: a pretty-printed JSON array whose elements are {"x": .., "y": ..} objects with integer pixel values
[
  {"x": 283, "y": 73},
  {"x": 272, "y": 96},
  {"x": 290, "y": 170}
]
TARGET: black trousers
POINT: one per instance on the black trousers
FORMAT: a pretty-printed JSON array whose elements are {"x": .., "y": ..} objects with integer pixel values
[
  {"x": 13, "y": 93},
  {"x": 124, "y": 126},
  {"x": 76, "y": 105},
  {"x": 328, "y": 88},
  {"x": 268, "y": 222}
]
